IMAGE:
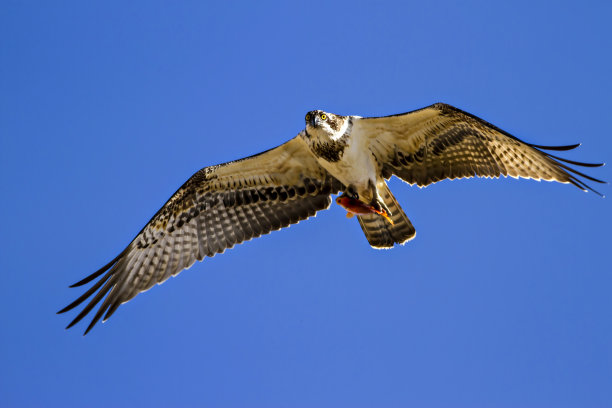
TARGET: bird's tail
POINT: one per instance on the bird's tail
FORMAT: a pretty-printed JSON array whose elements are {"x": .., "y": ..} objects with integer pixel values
[{"x": 382, "y": 233}]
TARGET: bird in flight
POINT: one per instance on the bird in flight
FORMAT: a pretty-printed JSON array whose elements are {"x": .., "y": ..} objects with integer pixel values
[{"x": 223, "y": 205}]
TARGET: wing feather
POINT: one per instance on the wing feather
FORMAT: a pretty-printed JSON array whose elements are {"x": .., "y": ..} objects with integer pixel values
[
  {"x": 442, "y": 142},
  {"x": 217, "y": 208}
]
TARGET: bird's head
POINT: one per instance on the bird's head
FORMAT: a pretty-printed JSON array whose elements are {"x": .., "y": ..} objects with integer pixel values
[{"x": 324, "y": 126}]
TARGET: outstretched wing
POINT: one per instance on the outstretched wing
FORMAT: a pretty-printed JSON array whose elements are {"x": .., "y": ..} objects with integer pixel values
[
  {"x": 441, "y": 141},
  {"x": 218, "y": 207}
]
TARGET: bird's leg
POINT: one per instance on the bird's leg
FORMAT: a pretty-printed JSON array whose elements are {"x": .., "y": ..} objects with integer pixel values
[
  {"x": 354, "y": 206},
  {"x": 377, "y": 201},
  {"x": 379, "y": 207},
  {"x": 382, "y": 206},
  {"x": 351, "y": 191}
]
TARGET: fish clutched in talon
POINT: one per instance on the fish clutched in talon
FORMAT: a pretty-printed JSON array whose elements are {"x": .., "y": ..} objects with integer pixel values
[{"x": 355, "y": 206}]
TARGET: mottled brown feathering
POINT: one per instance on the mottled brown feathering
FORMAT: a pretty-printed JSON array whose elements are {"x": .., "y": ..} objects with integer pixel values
[
  {"x": 442, "y": 142},
  {"x": 217, "y": 208},
  {"x": 331, "y": 151}
]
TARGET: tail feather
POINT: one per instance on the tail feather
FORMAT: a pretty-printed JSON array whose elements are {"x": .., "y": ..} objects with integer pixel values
[{"x": 379, "y": 232}]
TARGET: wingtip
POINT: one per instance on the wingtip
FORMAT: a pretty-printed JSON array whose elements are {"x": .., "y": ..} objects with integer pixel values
[
  {"x": 84, "y": 333},
  {"x": 81, "y": 282},
  {"x": 91, "y": 326},
  {"x": 100, "y": 271},
  {"x": 72, "y": 323},
  {"x": 557, "y": 148}
]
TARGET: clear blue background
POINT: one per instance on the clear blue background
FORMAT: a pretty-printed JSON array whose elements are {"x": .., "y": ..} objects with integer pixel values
[{"x": 503, "y": 299}]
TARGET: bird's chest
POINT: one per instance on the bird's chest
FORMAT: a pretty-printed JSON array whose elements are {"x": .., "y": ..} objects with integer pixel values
[{"x": 355, "y": 166}]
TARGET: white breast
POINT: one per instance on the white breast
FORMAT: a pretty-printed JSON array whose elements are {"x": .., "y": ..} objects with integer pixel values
[{"x": 357, "y": 165}]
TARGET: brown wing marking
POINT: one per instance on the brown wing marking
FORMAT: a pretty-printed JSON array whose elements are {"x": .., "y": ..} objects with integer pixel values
[
  {"x": 217, "y": 208},
  {"x": 440, "y": 142}
]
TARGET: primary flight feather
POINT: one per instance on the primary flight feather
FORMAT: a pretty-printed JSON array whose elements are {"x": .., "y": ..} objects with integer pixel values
[{"x": 224, "y": 205}]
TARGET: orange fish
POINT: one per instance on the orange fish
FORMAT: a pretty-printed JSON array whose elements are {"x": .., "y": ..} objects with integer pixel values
[{"x": 354, "y": 206}]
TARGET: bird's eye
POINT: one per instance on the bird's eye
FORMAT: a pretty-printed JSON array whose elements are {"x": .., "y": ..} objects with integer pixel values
[
  {"x": 307, "y": 117},
  {"x": 324, "y": 116}
]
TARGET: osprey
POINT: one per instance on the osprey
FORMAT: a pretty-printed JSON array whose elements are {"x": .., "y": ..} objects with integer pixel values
[{"x": 223, "y": 205}]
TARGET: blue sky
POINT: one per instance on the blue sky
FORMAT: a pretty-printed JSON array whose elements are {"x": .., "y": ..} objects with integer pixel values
[{"x": 503, "y": 299}]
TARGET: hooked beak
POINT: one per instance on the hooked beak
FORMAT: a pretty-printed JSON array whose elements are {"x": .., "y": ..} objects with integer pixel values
[{"x": 314, "y": 121}]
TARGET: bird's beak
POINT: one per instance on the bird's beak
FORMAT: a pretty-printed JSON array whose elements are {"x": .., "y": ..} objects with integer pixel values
[{"x": 314, "y": 121}]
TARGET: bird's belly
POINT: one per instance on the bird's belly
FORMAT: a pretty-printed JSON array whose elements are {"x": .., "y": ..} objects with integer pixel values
[{"x": 357, "y": 170}]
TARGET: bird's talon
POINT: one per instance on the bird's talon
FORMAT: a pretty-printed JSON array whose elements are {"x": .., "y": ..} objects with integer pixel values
[{"x": 352, "y": 193}]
